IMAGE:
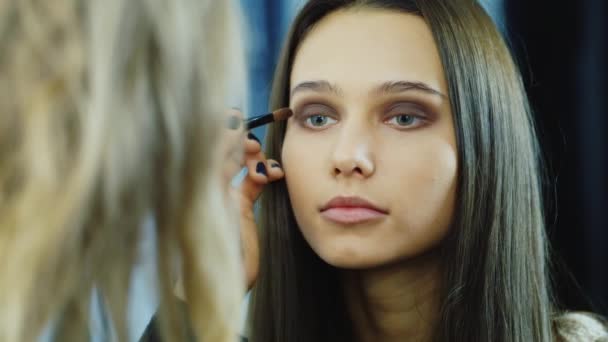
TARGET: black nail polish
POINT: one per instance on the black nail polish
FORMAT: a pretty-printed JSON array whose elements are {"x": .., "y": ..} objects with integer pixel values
[
  {"x": 253, "y": 137},
  {"x": 233, "y": 122},
  {"x": 276, "y": 165},
  {"x": 261, "y": 169}
]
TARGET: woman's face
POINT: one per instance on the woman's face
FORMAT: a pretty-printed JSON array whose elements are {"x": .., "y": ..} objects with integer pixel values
[{"x": 370, "y": 155}]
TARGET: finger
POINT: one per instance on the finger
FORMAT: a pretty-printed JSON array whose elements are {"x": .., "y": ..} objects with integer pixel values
[
  {"x": 231, "y": 144},
  {"x": 252, "y": 144},
  {"x": 275, "y": 171},
  {"x": 257, "y": 177},
  {"x": 234, "y": 120},
  {"x": 253, "y": 152},
  {"x": 257, "y": 170}
]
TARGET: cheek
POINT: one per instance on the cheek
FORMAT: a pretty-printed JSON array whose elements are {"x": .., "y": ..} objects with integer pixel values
[
  {"x": 302, "y": 162},
  {"x": 425, "y": 180}
]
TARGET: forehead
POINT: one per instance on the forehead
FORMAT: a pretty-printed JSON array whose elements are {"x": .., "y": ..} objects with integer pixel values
[{"x": 361, "y": 47}]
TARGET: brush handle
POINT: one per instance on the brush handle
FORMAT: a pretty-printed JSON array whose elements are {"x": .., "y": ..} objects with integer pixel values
[{"x": 259, "y": 121}]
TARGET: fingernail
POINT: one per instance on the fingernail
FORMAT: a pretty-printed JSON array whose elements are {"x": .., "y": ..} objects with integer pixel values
[
  {"x": 276, "y": 165},
  {"x": 261, "y": 169},
  {"x": 233, "y": 122},
  {"x": 253, "y": 137}
]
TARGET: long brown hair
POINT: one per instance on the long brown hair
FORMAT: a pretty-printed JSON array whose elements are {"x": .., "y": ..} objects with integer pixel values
[
  {"x": 110, "y": 113},
  {"x": 495, "y": 282}
]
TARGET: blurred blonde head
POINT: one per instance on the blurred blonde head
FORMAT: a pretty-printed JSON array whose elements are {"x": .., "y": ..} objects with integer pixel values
[{"x": 110, "y": 113}]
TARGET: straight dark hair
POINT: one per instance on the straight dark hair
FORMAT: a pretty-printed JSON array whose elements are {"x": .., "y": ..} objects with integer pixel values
[{"x": 495, "y": 284}]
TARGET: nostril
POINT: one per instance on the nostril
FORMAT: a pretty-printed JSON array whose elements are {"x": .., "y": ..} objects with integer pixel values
[
  {"x": 358, "y": 170},
  {"x": 336, "y": 171}
]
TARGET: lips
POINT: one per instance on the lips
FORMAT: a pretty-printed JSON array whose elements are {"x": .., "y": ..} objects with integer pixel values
[{"x": 352, "y": 210}]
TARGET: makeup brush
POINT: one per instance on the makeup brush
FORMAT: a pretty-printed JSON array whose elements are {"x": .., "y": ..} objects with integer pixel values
[{"x": 278, "y": 115}]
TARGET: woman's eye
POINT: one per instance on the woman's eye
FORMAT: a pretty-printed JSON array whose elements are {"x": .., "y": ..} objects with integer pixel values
[
  {"x": 404, "y": 121},
  {"x": 319, "y": 121}
]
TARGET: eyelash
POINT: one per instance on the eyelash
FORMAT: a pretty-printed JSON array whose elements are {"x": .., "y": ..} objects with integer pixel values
[
  {"x": 304, "y": 121},
  {"x": 308, "y": 111},
  {"x": 418, "y": 118},
  {"x": 421, "y": 119}
]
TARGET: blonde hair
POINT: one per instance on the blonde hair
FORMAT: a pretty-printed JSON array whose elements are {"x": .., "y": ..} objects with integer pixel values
[{"x": 110, "y": 113}]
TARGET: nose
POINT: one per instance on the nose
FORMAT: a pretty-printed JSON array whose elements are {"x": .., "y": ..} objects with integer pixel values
[{"x": 352, "y": 155}]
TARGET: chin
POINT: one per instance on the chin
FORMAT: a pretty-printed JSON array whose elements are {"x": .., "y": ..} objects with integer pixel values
[{"x": 350, "y": 257}]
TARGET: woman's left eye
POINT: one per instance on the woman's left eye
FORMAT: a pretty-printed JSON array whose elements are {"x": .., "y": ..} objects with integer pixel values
[{"x": 404, "y": 120}]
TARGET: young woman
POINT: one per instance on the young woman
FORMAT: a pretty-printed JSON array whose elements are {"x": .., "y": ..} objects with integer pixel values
[
  {"x": 411, "y": 205},
  {"x": 111, "y": 114}
]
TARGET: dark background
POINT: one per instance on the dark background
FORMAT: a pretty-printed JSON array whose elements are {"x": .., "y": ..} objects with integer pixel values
[{"x": 562, "y": 49}]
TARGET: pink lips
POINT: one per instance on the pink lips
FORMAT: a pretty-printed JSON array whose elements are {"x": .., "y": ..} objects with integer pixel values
[{"x": 351, "y": 210}]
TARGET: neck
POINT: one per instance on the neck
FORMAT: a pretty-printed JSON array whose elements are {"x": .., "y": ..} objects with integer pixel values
[{"x": 399, "y": 302}]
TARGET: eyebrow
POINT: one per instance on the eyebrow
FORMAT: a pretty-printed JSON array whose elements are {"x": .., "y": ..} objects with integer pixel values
[
  {"x": 318, "y": 87},
  {"x": 402, "y": 86},
  {"x": 390, "y": 87}
]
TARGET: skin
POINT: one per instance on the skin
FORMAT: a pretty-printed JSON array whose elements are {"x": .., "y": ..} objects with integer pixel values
[
  {"x": 240, "y": 150},
  {"x": 361, "y": 150},
  {"x": 244, "y": 151},
  {"x": 393, "y": 146}
]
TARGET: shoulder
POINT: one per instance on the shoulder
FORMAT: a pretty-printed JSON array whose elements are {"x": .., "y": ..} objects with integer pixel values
[{"x": 580, "y": 326}]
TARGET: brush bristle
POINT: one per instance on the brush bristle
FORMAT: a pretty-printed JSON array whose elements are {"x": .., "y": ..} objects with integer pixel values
[{"x": 282, "y": 114}]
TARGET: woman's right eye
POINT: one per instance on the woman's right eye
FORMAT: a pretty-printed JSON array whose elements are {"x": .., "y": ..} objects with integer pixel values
[
  {"x": 316, "y": 116},
  {"x": 319, "y": 121}
]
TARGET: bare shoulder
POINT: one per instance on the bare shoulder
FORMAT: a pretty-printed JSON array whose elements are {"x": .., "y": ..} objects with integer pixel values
[{"x": 580, "y": 327}]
